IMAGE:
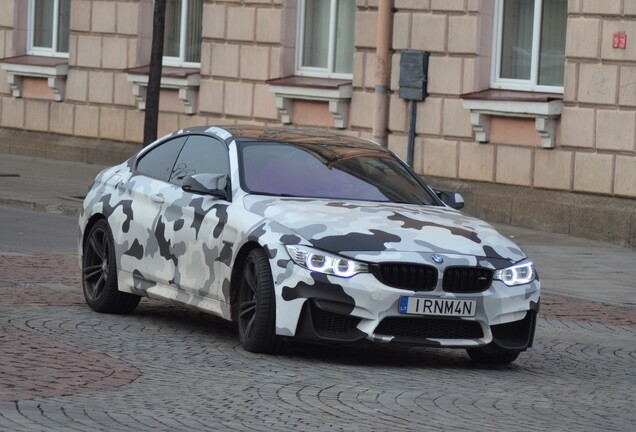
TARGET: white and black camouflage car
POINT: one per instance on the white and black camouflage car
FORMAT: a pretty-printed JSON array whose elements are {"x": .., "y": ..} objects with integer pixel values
[{"x": 304, "y": 235}]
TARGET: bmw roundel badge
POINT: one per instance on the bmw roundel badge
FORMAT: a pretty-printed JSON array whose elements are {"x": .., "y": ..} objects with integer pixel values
[{"x": 438, "y": 259}]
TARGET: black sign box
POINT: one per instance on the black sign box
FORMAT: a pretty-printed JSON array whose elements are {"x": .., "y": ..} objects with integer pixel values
[{"x": 413, "y": 75}]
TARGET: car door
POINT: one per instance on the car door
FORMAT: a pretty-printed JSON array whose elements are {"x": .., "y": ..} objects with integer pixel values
[
  {"x": 145, "y": 188},
  {"x": 191, "y": 224}
]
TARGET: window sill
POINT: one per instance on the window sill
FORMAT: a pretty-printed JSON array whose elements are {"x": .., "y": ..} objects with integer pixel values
[
  {"x": 336, "y": 92},
  {"x": 186, "y": 80},
  {"x": 54, "y": 69},
  {"x": 545, "y": 108}
]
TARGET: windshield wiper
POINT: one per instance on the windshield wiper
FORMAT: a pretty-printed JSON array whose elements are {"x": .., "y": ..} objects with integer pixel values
[{"x": 276, "y": 194}]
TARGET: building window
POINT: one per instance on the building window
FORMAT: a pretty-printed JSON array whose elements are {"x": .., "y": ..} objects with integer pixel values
[
  {"x": 182, "y": 38},
  {"x": 529, "y": 45},
  {"x": 49, "y": 27},
  {"x": 325, "y": 38}
]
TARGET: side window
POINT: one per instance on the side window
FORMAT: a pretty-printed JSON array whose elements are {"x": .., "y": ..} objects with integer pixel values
[
  {"x": 182, "y": 37},
  {"x": 158, "y": 162},
  {"x": 201, "y": 154},
  {"x": 530, "y": 45},
  {"x": 326, "y": 38},
  {"x": 49, "y": 27}
]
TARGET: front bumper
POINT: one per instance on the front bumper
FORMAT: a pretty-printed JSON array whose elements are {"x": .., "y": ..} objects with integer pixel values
[
  {"x": 317, "y": 307},
  {"x": 319, "y": 324}
]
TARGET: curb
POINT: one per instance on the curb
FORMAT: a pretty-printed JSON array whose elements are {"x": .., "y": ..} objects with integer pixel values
[{"x": 51, "y": 207}]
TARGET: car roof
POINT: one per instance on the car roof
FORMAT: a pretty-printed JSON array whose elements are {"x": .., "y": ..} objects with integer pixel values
[{"x": 286, "y": 135}]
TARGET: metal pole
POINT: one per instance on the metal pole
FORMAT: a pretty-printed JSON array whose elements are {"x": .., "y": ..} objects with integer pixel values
[
  {"x": 383, "y": 40},
  {"x": 411, "y": 142},
  {"x": 151, "y": 119}
]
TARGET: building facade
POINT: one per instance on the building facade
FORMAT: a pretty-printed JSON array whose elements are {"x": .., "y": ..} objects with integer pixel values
[{"x": 525, "y": 97}]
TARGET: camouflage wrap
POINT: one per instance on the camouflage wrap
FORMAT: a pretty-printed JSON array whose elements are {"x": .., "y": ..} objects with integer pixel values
[{"x": 179, "y": 246}]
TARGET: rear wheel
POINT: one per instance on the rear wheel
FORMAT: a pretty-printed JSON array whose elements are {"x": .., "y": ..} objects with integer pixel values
[
  {"x": 492, "y": 355},
  {"x": 99, "y": 273},
  {"x": 257, "y": 305}
]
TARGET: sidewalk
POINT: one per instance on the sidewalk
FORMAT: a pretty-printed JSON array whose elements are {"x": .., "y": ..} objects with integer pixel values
[
  {"x": 45, "y": 185},
  {"x": 568, "y": 266}
]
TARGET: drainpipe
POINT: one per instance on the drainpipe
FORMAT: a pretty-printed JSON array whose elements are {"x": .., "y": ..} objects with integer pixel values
[{"x": 381, "y": 105}]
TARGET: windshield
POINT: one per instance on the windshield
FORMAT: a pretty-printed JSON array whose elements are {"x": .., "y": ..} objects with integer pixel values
[{"x": 328, "y": 171}]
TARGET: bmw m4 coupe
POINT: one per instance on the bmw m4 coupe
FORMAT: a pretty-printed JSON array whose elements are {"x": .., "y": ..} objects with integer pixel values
[{"x": 303, "y": 235}]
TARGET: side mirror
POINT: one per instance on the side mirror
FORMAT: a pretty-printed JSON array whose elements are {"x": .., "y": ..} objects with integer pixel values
[
  {"x": 207, "y": 184},
  {"x": 451, "y": 199}
]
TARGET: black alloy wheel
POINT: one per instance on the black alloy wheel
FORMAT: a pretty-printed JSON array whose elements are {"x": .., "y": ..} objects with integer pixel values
[
  {"x": 99, "y": 273},
  {"x": 257, "y": 305}
]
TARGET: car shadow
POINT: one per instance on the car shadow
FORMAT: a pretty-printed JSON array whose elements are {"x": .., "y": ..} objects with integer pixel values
[
  {"x": 387, "y": 356},
  {"x": 363, "y": 353}
]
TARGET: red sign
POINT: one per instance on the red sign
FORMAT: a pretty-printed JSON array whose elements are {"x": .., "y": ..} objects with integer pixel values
[{"x": 619, "y": 40}]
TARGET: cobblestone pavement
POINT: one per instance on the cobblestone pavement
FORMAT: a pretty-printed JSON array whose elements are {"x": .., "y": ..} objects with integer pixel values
[{"x": 64, "y": 367}]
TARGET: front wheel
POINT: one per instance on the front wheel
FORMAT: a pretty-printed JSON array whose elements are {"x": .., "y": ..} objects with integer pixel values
[
  {"x": 492, "y": 355},
  {"x": 99, "y": 273},
  {"x": 257, "y": 305}
]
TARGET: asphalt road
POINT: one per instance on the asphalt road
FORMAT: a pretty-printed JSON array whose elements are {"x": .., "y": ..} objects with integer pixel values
[
  {"x": 22, "y": 230},
  {"x": 163, "y": 368}
]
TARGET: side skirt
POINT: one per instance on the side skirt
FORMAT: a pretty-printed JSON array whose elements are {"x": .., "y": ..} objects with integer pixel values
[{"x": 135, "y": 284}]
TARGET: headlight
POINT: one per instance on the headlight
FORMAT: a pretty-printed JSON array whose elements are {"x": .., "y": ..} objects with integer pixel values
[
  {"x": 518, "y": 274},
  {"x": 321, "y": 262}
]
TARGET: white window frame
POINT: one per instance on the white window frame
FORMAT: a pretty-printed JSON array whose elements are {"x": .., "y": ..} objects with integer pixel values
[
  {"x": 315, "y": 71},
  {"x": 183, "y": 31},
  {"x": 44, "y": 51},
  {"x": 517, "y": 84}
]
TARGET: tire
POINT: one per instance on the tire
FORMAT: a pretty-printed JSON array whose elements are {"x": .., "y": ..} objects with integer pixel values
[
  {"x": 257, "y": 306},
  {"x": 492, "y": 355},
  {"x": 99, "y": 273}
]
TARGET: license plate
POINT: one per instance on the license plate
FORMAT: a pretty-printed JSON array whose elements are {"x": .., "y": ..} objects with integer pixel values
[{"x": 437, "y": 307}]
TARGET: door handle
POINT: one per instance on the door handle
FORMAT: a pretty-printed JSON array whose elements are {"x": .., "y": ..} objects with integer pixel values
[{"x": 157, "y": 198}]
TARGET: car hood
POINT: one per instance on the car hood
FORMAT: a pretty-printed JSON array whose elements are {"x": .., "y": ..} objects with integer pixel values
[{"x": 350, "y": 226}]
